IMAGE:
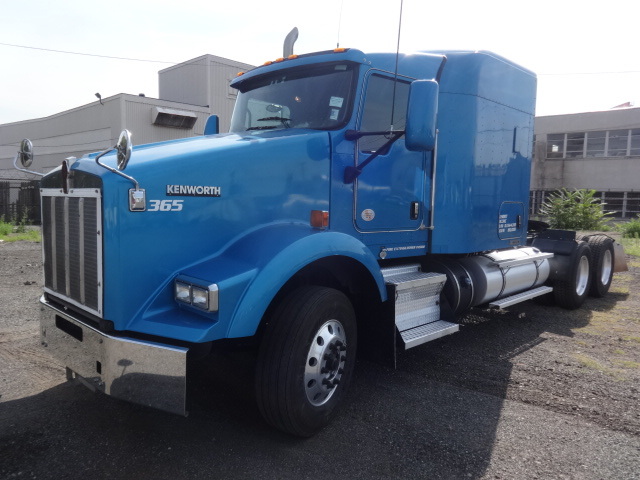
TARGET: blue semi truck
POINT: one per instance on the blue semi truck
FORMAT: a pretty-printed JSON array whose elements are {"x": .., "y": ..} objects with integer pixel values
[{"x": 360, "y": 202}]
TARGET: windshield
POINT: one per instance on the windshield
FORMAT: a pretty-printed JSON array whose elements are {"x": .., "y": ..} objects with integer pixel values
[{"x": 317, "y": 96}]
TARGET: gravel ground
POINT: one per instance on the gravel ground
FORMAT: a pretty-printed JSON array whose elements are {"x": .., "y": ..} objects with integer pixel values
[{"x": 537, "y": 392}]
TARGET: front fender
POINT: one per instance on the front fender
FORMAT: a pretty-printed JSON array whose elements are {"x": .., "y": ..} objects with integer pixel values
[
  {"x": 285, "y": 260},
  {"x": 249, "y": 273}
]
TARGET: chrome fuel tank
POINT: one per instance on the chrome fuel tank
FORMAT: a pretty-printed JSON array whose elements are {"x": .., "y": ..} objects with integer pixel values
[
  {"x": 480, "y": 279},
  {"x": 501, "y": 273}
]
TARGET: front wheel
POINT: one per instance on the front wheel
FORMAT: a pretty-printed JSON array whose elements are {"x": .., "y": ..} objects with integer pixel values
[{"x": 306, "y": 360}]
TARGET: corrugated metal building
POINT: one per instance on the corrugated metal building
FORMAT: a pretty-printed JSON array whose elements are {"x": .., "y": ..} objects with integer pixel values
[
  {"x": 189, "y": 92},
  {"x": 594, "y": 150}
]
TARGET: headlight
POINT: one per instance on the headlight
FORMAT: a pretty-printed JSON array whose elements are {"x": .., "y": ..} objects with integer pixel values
[
  {"x": 197, "y": 293},
  {"x": 200, "y": 298},
  {"x": 183, "y": 292}
]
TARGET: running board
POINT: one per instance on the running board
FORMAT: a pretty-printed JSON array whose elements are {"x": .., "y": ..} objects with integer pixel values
[{"x": 520, "y": 297}]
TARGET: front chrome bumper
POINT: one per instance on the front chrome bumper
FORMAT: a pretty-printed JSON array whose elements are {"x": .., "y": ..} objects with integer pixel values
[{"x": 137, "y": 371}]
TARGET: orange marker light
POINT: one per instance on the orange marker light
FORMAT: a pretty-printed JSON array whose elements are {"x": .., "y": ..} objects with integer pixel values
[
  {"x": 240, "y": 74},
  {"x": 339, "y": 50},
  {"x": 291, "y": 57},
  {"x": 268, "y": 62},
  {"x": 319, "y": 219},
  {"x": 280, "y": 59}
]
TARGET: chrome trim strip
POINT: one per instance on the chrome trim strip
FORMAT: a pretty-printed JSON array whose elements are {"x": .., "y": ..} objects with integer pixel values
[
  {"x": 54, "y": 260},
  {"x": 81, "y": 248},
  {"x": 67, "y": 267}
]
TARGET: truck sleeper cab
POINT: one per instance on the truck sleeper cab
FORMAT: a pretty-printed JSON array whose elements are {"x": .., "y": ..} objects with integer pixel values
[{"x": 350, "y": 207}]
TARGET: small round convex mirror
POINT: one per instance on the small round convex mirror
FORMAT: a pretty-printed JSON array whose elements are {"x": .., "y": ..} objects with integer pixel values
[
  {"x": 124, "y": 148},
  {"x": 26, "y": 153}
]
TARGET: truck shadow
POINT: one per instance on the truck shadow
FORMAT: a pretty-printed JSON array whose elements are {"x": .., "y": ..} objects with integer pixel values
[{"x": 435, "y": 416}]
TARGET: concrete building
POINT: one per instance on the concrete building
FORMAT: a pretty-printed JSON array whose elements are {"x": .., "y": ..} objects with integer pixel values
[
  {"x": 189, "y": 92},
  {"x": 594, "y": 150}
]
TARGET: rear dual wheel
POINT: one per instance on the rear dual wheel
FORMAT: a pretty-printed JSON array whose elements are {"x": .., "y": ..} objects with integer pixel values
[
  {"x": 306, "y": 360},
  {"x": 572, "y": 293},
  {"x": 602, "y": 262}
]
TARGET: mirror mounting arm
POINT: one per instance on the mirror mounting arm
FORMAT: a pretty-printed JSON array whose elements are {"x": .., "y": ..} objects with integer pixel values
[
  {"x": 351, "y": 173},
  {"x": 111, "y": 169},
  {"x": 15, "y": 165}
]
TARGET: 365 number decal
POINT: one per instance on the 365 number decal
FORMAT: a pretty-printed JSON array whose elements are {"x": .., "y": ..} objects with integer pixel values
[{"x": 165, "y": 205}]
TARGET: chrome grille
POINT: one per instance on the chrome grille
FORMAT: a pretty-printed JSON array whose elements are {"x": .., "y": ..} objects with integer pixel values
[{"x": 72, "y": 246}]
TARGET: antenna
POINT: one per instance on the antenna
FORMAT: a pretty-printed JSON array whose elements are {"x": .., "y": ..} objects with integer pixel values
[
  {"x": 339, "y": 23},
  {"x": 395, "y": 79}
]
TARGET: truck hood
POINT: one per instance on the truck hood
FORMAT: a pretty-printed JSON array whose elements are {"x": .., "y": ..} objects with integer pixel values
[{"x": 203, "y": 195}]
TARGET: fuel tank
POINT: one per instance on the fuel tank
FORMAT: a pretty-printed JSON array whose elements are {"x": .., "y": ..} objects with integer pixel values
[{"x": 479, "y": 279}]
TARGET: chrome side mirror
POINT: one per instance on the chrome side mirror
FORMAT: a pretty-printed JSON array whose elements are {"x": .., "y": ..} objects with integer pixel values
[
  {"x": 124, "y": 148},
  {"x": 25, "y": 154}
]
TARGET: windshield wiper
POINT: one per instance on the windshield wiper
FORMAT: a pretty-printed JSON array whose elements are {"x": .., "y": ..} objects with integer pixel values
[
  {"x": 283, "y": 120},
  {"x": 266, "y": 127}
]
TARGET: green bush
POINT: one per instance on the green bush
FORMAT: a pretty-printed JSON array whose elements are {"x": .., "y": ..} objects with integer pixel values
[
  {"x": 579, "y": 209},
  {"x": 630, "y": 229},
  {"x": 5, "y": 228}
]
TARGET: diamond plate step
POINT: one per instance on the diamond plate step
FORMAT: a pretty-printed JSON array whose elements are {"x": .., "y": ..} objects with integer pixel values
[{"x": 426, "y": 333}]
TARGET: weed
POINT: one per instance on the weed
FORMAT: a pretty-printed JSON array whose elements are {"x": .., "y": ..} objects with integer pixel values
[
  {"x": 631, "y": 246},
  {"x": 575, "y": 210}
]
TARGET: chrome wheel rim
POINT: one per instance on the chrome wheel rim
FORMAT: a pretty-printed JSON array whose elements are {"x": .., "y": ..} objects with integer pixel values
[
  {"x": 325, "y": 362},
  {"x": 582, "y": 276},
  {"x": 607, "y": 266}
]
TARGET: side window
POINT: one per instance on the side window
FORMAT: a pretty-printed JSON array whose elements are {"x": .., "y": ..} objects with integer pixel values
[{"x": 378, "y": 105}]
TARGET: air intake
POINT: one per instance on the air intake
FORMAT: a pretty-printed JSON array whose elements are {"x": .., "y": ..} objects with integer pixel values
[{"x": 168, "y": 117}]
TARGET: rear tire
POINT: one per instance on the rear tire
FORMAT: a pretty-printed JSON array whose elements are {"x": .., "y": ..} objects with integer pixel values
[
  {"x": 306, "y": 360},
  {"x": 570, "y": 294},
  {"x": 602, "y": 262}
]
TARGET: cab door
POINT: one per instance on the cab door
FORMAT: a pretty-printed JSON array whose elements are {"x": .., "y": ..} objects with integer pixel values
[{"x": 390, "y": 193}]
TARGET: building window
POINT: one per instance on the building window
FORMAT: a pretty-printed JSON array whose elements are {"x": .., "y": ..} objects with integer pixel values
[
  {"x": 635, "y": 142},
  {"x": 612, "y": 143},
  {"x": 618, "y": 142},
  {"x": 555, "y": 145},
  {"x": 575, "y": 145},
  {"x": 596, "y": 144}
]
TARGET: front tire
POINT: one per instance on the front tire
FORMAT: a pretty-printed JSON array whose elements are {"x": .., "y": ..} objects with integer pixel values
[{"x": 306, "y": 360}]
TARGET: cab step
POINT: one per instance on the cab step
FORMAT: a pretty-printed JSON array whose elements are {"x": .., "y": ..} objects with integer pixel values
[
  {"x": 417, "y": 304},
  {"x": 428, "y": 332}
]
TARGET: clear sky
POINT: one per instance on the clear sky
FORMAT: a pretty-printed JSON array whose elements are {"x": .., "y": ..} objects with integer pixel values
[{"x": 584, "y": 52}]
